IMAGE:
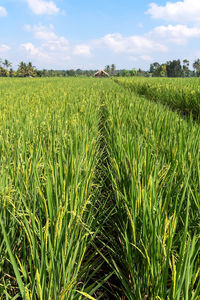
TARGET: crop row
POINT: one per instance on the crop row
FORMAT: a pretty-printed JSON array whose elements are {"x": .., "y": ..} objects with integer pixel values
[
  {"x": 48, "y": 191},
  {"x": 99, "y": 193},
  {"x": 181, "y": 94},
  {"x": 155, "y": 175}
]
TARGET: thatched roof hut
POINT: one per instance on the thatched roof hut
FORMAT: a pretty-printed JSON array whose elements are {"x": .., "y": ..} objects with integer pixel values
[{"x": 101, "y": 73}]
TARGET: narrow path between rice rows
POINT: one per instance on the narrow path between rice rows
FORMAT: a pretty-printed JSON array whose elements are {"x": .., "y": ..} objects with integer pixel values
[{"x": 112, "y": 288}]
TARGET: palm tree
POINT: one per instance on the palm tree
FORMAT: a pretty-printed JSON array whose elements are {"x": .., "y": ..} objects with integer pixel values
[
  {"x": 30, "y": 70},
  {"x": 4, "y": 72},
  {"x": 7, "y": 64},
  {"x": 186, "y": 64},
  {"x": 21, "y": 71},
  {"x": 11, "y": 72},
  {"x": 196, "y": 64}
]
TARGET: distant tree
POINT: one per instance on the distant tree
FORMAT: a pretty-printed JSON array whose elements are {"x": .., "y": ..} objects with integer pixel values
[
  {"x": 186, "y": 64},
  {"x": 71, "y": 73},
  {"x": 155, "y": 69},
  {"x": 79, "y": 72},
  {"x": 44, "y": 73},
  {"x": 11, "y": 73},
  {"x": 186, "y": 70},
  {"x": 174, "y": 68},
  {"x": 7, "y": 64},
  {"x": 163, "y": 70},
  {"x": 170, "y": 68},
  {"x": 107, "y": 69},
  {"x": 21, "y": 71},
  {"x": 30, "y": 70},
  {"x": 26, "y": 70},
  {"x": 196, "y": 66},
  {"x": 3, "y": 72},
  {"x": 39, "y": 73},
  {"x": 125, "y": 73},
  {"x": 113, "y": 69},
  {"x": 134, "y": 72}
]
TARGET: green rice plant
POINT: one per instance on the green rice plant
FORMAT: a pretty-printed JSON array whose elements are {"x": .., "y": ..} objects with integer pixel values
[
  {"x": 154, "y": 168},
  {"x": 181, "y": 94},
  {"x": 99, "y": 193},
  {"x": 48, "y": 192}
]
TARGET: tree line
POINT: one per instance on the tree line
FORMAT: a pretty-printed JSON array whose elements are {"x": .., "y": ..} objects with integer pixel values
[
  {"x": 23, "y": 70},
  {"x": 174, "y": 68}
]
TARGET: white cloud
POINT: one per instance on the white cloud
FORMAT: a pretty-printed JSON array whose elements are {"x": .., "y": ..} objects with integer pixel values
[
  {"x": 3, "y": 12},
  {"x": 34, "y": 51},
  {"x": 51, "y": 48},
  {"x": 49, "y": 39},
  {"x": 4, "y": 48},
  {"x": 39, "y": 53},
  {"x": 41, "y": 7},
  {"x": 42, "y": 32},
  {"x": 181, "y": 11},
  {"x": 178, "y": 34},
  {"x": 82, "y": 49},
  {"x": 59, "y": 44},
  {"x": 132, "y": 44}
]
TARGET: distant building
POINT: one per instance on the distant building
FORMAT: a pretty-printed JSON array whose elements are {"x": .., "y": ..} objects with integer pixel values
[{"x": 101, "y": 73}]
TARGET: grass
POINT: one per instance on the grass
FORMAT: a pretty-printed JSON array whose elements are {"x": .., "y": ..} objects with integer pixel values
[
  {"x": 49, "y": 151},
  {"x": 180, "y": 94},
  {"x": 154, "y": 166},
  {"x": 99, "y": 193}
]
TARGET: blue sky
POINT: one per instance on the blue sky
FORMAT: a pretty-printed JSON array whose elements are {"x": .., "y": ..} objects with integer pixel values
[{"x": 64, "y": 34}]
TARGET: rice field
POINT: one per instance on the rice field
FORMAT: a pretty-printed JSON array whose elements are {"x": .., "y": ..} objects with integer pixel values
[
  {"x": 180, "y": 94},
  {"x": 99, "y": 189}
]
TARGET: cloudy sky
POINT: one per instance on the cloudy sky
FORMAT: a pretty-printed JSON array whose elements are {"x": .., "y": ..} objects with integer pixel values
[{"x": 64, "y": 34}]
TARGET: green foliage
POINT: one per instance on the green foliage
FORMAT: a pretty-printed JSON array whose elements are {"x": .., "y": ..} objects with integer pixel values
[
  {"x": 48, "y": 191},
  {"x": 155, "y": 175},
  {"x": 97, "y": 185},
  {"x": 3, "y": 72},
  {"x": 174, "y": 68},
  {"x": 26, "y": 70},
  {"x": 181, "y": 94},
  {"x": 196, "y": 65}
]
